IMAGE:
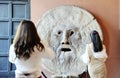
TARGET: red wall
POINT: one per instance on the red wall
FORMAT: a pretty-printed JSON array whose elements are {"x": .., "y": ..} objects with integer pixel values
[{"x": 105, "y": 11}]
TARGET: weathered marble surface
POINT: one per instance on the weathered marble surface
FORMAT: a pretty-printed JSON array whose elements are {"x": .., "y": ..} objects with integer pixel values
[{"x": 66, "y": 29}]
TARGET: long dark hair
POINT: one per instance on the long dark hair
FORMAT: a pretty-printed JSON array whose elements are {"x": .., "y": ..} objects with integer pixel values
[
  {"x": 97, "y": 43},
  {"x": 26, "y": 39}
]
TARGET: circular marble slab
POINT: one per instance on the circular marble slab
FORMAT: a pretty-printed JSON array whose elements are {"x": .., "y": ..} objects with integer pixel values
[{"x": 67, "y": 18}]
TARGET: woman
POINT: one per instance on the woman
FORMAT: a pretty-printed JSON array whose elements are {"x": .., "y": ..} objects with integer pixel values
[
  {"x": 95, "y": 57},
  {"x": 27, "y": 50}
]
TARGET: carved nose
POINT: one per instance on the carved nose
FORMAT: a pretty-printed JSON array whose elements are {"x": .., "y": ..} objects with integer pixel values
[{"x": 65, "y": 38}]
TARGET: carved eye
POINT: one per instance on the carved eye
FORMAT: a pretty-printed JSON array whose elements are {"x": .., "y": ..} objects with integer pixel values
[
  {"x": 71, "y": 33},
  {"x": 59, "y": 32}
]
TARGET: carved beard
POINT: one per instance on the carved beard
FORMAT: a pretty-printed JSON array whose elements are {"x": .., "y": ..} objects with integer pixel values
[{"x": 65, "y": 60}]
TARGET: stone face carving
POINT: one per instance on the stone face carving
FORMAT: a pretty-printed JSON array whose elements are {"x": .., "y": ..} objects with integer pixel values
[
  {"x": 66, "y": 30},
  {"x": 67, "y": 43}
]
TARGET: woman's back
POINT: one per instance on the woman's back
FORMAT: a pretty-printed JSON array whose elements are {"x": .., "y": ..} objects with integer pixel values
[
  {"x": 33, "y": 64},
  {"x": 27, "y": 50}
]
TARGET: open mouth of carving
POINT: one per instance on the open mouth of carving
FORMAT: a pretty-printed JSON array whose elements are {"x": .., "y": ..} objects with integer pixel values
[{"x": 65, "y": 49}]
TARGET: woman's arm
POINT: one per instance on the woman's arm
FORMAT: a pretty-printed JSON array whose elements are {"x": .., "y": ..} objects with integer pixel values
[
  {"x": 49, "y": 53},
  {"x": 12, "y": 54}
]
